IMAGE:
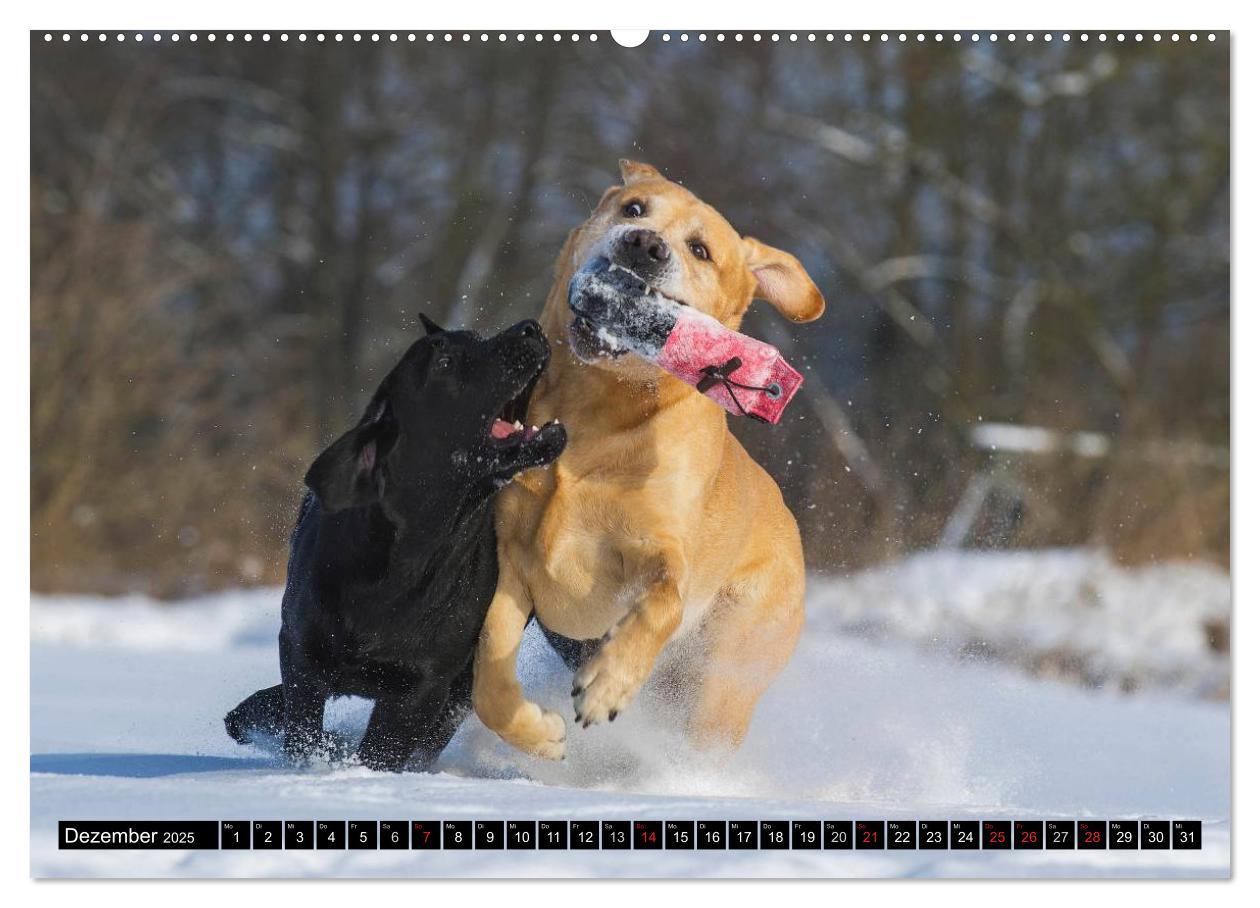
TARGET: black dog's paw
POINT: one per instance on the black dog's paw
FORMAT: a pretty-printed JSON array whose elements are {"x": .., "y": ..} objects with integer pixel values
[
  {"x": 381, "y": 762},
  {"x": 303, "y": 748},
  {"x": 237, "y": 730},
  {"x": 259, "y": 715}
]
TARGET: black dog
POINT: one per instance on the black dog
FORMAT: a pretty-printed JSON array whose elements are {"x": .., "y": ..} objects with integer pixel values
[{"x": 392, "y": 563}]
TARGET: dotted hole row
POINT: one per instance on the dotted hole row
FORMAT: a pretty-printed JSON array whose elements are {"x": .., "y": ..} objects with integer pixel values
[{"x": 974, "y": 37}]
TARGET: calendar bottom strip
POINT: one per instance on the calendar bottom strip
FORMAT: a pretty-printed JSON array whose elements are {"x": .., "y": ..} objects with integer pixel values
[{"x": 631, "y": 835}]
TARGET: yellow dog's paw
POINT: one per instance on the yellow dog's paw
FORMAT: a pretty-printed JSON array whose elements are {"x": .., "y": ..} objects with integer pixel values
[
  {"x": 537, "y": 731},
  {"x": 602, "y": 688}
]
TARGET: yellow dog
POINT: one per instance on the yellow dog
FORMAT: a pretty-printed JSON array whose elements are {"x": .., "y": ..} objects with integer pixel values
[{"x": 654, "y": 526}]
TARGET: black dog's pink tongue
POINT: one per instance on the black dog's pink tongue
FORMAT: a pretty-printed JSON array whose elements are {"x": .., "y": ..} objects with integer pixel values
[{"x": 501, "y": 429}]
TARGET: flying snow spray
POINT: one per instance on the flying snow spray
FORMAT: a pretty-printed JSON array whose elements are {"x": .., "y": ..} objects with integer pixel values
[{"x": 616, "y": 307}]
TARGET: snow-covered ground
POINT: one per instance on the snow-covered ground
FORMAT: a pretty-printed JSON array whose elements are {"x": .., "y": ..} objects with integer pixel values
[
  {"x": 128, "y": 698},
  {"x": 1069, "y": 613}
]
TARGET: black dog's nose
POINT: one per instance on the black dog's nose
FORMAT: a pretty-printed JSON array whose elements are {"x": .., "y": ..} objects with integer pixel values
[
  {"x": 528, "y": 328},
  {"x": 644, "y": 248}
]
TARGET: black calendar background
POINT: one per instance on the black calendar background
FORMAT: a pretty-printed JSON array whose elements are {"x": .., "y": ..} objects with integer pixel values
[{"x": 631, "y": 835}]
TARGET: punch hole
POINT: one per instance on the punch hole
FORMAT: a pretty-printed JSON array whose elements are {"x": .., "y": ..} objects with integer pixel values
[{"x": 630, "y": 37}]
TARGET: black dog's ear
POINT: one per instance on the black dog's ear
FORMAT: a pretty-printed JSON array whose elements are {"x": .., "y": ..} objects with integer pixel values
[
  {"x": 347, "y": 474},
  {"x": 430, "y": 326}
]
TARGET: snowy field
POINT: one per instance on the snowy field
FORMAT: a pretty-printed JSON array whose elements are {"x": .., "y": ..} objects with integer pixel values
[{"x": 919, "y": 691}]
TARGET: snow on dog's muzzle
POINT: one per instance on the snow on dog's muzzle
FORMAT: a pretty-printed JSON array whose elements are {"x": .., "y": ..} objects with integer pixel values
[{"x": 747, "y": 377}]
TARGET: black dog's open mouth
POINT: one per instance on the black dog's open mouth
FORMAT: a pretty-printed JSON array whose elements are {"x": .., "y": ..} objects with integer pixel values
[{"x": 530, "y": 445}]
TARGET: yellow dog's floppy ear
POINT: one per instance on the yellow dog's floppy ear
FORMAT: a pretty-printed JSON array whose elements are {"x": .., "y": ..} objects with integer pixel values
[
  {"x": 782, "y": 282},
  {"x": 633, "y": 172}
]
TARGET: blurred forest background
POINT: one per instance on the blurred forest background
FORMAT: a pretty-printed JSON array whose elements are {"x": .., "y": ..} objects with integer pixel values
[{"x": 1024, "y": 247}]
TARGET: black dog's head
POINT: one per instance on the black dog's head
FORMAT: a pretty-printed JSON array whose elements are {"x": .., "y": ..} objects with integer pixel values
[{"x": 447, "y": 416}]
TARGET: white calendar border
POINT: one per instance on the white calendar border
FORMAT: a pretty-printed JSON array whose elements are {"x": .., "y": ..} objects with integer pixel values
[{"x": 493, "y": 14}]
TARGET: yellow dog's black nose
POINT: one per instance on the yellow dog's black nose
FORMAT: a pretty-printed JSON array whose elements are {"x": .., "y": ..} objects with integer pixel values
[{"x": 643, "y": 247}]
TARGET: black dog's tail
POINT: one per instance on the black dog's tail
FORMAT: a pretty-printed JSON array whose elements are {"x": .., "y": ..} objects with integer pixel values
[{"x": 261, "y": 712}]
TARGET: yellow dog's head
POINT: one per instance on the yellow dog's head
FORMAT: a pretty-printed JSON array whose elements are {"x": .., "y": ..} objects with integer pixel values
[{"x": 684, "y": 250}]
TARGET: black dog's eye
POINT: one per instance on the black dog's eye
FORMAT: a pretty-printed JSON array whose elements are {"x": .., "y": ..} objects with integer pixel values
[
  {"x": 699, "y": 250},
  {"x": 443, "y": 363},
  {"x": 634, "y": 210}
]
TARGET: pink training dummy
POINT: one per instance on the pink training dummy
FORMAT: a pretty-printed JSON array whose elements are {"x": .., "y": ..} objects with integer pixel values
[{"x": 623, "y": 314}]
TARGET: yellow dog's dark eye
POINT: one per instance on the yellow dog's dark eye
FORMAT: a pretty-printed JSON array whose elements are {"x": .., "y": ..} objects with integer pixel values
[
  {"x": 699, "y": 250},
  {"x": 634, "y": 210}
]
